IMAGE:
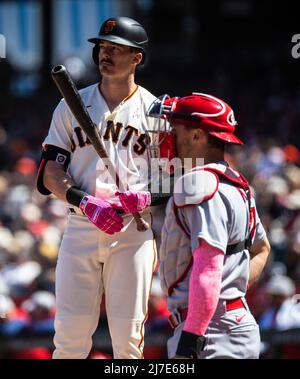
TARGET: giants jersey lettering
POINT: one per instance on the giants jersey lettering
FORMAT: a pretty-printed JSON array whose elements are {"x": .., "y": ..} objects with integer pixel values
[{"x": 124, "y": 136}]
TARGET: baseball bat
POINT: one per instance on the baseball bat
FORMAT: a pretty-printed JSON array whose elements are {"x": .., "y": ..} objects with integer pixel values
[{"x": 72, "y": 97}]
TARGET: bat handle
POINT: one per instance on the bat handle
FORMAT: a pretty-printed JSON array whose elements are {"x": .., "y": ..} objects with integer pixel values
[{"x": 141, "y": 224}]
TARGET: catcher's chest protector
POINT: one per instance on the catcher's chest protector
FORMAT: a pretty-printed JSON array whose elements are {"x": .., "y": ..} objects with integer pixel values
[{"x": 175, "y": 252}]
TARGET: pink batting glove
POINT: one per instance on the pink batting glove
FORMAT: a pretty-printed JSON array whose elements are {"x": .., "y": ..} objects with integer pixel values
[
  {"x": 135, "y": 201},
  {"x": 101, "y": 214}
]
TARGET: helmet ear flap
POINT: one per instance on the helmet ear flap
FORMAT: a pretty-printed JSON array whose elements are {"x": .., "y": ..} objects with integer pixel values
[{"x": 95, "y": 54}]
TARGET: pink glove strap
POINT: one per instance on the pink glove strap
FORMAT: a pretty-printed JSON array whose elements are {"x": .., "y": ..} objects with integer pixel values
[
  {"x": 204, "y": 289},
  {"x": 133, "y": 201},
  {"x": 83, "y": 203}
]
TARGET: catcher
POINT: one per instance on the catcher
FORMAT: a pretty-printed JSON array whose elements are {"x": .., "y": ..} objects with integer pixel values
[{"x": 213, "y": 243}]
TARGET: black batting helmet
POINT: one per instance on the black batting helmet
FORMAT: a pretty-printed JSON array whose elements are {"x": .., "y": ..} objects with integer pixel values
[{"x": 121, "y": 30}]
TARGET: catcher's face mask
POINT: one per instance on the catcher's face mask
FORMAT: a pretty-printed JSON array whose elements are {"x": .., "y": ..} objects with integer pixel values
[{"x": 162, "y": 141}]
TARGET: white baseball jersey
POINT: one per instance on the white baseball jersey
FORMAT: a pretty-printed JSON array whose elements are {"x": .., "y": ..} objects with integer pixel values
[
  {"x": 124, "y": 136},
  {"x": 91, "y": 262}
]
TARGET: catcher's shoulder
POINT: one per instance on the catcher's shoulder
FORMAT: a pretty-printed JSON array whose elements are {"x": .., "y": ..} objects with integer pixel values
[{"x": 195, "y": 187}]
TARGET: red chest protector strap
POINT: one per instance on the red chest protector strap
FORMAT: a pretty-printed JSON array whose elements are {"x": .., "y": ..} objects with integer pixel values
[{"x": 238, "y": 180}]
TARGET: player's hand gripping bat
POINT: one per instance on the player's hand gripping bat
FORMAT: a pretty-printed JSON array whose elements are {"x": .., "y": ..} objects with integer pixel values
[{"x": 70, "y": 93}]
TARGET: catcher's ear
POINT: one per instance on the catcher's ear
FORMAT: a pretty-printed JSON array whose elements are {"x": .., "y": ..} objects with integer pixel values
[{"x": 197, "y": 135}]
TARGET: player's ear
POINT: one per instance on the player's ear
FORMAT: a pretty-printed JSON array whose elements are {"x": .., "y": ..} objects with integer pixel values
[
  {"x": 137, "y": 58},
  {"x": 197, "y": 135}
]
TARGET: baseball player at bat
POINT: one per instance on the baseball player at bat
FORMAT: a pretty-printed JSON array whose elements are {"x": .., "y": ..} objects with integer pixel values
[
  {"x": 101, "y": 251},
  {"x": 213, "y": 243}
]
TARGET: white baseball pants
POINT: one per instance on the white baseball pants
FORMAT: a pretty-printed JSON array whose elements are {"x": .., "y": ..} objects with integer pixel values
[{"x": 91, "y": 263}]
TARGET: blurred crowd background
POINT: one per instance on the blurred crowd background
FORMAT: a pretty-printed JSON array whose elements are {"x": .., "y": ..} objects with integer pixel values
[{"x": 237, "y": 50}]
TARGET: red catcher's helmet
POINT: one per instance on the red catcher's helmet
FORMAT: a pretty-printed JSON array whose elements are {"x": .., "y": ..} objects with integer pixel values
[{"x": 198, "y": 110}]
